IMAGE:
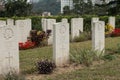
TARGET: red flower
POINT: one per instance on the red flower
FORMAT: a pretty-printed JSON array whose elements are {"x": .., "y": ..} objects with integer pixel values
[
  {"x": 116, "y": 32},
  {"x": 26, "y": 45}
]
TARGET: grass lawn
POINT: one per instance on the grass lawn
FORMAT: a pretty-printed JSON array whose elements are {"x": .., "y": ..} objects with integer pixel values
[{"x": 107, "y": 71}]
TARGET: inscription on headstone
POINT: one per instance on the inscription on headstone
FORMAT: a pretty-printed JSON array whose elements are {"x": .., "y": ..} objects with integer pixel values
[{"x": 9, "y": 50}]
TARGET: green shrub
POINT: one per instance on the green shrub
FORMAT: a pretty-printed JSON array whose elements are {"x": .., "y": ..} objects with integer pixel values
[
  {"x": 83, "y": 37},
  {"x": 39, "y": 37},
  {"x": 108, "y": 57},
  {"x": 36, "y": 23},
  {"x": 84, "y": 56},
  {"x": 45, "y": 66}
]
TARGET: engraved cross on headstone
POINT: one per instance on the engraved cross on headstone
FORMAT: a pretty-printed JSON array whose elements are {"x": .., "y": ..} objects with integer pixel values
[{"x": 9, "y": 59}]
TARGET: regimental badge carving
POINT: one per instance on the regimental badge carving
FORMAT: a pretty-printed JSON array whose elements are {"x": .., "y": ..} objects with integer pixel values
[
  {"x": 8, "y": 34},
  {"x": 63, "y": 29}
]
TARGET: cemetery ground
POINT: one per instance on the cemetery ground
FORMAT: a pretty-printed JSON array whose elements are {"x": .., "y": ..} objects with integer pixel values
[{"x": 101, "y": 70}]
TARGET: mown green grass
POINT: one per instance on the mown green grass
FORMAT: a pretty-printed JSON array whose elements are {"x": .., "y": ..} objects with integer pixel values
[
  {"x": 109, "y": 70},
  {"x": 28, "y": 58}
]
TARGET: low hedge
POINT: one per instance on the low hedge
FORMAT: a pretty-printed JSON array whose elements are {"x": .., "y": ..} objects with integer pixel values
[{"x": 36, "y": 20}]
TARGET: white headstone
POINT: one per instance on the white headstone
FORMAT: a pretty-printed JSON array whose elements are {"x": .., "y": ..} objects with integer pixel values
[
  {"x": 9, "y": 59},
  {"x": 50, "y": 23},
  {"x": 64, "y": 20},
  {"x": 10, "y": 22},
  {"x": 24, "y": 27},
  {"x": 98, "y": 35},
  {"x": 61, "y": 43},
  {"x": 44, "y": 24},
  {"x": 112, "y": 21},
  {"x": 28, "y": 26},
  {"x": 2, "y": 23},
  {"x": 92, "y": 21},
  {"x": 76, "y": 27},
  {"x": 95, "y": 19}
]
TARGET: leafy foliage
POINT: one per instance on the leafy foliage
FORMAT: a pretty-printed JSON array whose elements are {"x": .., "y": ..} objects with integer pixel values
[
  {"x": 108, "y": 29},
  {"x": 17, "y": 8},
  {"x": 81, "y": 7},
  {"x": 84, "y": 56},
  {"x": 45, "y": 66},
  {"x": 114, "y": 7},
  {"x": 38, "y": 37},
  {"x": 83, "y": 37},
  {"x": 66, "y": 10},
  {"x": 108, "y": 57},
  {"x": 52, "y": 6}
]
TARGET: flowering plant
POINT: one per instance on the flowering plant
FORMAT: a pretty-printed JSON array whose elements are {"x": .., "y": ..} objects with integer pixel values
[
  {"x": 116, "y": 32},
  {"x": 26, "y": 45},
  {"x": 108, "y": 29},
  {"x": 39, "y": 36}
]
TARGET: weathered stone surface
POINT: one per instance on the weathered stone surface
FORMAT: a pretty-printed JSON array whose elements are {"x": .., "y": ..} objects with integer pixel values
[
  {"x": 2, "y": 23},
  {"x": 64, "y": 20},
  {"x": 9, "y": 59},
  {"x": 24, "y": 28},
  {"x": 49, "y": 26},
  {"x": 61, "y": 43},
  {"x": 98, "y": 35},
  {"x": 44, "y": 24},
  {"x": 10, "y": 22},
  {"x": 76, "y": 27},
  {"x": 112, "y": 21}
]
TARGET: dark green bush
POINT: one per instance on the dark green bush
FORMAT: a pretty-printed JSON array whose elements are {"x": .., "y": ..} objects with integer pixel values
[{"x": 45, "y": 67}]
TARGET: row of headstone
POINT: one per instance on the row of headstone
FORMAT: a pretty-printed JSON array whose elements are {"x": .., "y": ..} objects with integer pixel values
[
  {"x": 61, "y": 38},
  {"x": 10, "y": 34},
  {"x": 9, "y": 59},
  {"x": 23, "y": 28},
  {"x": 47, "y": 24},
  {"x": 76, "y": 27}
]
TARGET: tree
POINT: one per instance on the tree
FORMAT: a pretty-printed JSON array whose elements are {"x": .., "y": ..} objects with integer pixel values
[
  {"x": 17, "y": 8},
  {"x": 66, "y": 10},
  {"x": 114, "y": 7},
  {"x": 102, "y": 9},
  {"x": 52, "y": 6},
  {"x": 89, "y": 7},
  {"x": 81, "y": 7}
]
